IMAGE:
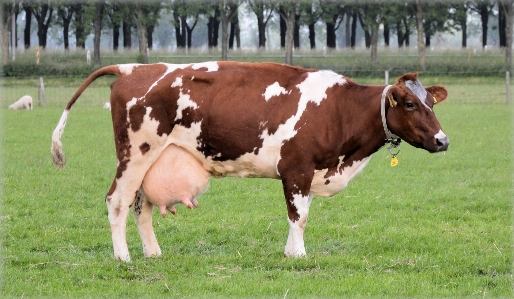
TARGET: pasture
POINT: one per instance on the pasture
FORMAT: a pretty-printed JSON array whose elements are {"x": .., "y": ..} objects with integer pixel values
[{"x": 437, "y": 225}]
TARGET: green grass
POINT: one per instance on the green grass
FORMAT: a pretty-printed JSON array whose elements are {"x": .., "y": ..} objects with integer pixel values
[{"x": 434, "y": 226}]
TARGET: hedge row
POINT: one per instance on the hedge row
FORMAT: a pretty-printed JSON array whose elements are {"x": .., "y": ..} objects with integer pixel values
[{"x": 352, "y": 64}]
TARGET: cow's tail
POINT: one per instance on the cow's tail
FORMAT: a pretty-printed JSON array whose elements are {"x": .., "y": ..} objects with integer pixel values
[{"x": 57, "y": 154}]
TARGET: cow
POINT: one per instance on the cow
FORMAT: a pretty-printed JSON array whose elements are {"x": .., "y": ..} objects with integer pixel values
[
  {"x": 25, "y": 102},
  {"x": 314, "y": 130}
]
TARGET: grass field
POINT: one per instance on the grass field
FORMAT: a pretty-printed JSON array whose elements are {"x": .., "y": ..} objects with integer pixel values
[{"x": 434, "y": 226}]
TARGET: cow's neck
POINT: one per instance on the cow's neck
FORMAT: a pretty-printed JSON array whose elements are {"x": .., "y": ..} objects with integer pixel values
[{"x": 368, "y": 136}]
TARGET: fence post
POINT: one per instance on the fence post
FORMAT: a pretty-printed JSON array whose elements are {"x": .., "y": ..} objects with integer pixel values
[
  {"x": 41, "y": 95},
  {"x": 507, "y": 84},
  {"x": 386, "y": 77}
]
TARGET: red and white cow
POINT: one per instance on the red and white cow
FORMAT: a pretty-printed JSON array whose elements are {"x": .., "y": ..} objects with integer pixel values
[{"x": 312, "y": 129}]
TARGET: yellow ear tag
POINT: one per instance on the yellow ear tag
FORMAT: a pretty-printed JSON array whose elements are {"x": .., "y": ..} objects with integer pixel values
[{"x": 394, "y": 161}]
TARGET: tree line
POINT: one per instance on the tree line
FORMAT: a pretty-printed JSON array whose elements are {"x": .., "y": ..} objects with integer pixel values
[{"x": 399, "y": 17}]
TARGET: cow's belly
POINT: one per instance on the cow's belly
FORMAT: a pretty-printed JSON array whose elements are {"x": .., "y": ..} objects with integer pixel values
[
  {"x": 263, "y": 164},
  {"x": 328, "y": 186}
]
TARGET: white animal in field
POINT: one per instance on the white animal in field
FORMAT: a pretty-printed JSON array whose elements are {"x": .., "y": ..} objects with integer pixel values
[
  {"x": 107, "y": 105},
  {"x": 25, "y": 102}
]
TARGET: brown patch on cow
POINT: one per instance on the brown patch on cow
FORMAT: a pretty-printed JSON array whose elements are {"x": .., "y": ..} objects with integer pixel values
[
  {"x": 144, "y": 147},
  {"x": 214, "y": 102},
  {"x": 111, "y": 191},
  {"x": 327, "y": 182},
  {"x": 138, "y": 203},
  {"x": 136, "y": 116},
  {"x": 117, "y": 210},
  {"x": 292, "y": 211}
]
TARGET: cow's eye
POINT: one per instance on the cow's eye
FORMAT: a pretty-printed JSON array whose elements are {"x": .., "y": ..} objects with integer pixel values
[{"x": 409, "y": 105}]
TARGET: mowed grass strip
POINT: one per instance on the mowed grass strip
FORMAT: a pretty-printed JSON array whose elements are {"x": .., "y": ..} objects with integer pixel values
[{"x": 437, "y": 225}]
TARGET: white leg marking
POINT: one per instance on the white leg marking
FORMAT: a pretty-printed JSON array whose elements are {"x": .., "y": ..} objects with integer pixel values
[
  {"x": 295, "y": 245},
  {"x": 118, "y": 213}
]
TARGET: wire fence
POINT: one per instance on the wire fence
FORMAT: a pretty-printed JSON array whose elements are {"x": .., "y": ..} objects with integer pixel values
[{"x": 462, "y": 90}]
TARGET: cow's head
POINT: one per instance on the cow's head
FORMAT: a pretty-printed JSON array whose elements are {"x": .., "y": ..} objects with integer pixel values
[{"x": 410, "y": 115}]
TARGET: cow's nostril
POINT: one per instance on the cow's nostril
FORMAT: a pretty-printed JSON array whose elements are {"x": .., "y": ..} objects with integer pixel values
[{"x": 442, "y": 143}]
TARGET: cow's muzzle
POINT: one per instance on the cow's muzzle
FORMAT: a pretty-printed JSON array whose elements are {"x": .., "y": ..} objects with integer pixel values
[{"x": 442, "y": 143}]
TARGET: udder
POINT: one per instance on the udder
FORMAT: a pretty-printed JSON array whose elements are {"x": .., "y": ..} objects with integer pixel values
[{"x": 176, "y": 177}]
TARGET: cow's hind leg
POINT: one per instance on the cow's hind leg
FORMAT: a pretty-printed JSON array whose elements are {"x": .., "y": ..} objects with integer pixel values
[
  {"x": 143, "y": 210},
  {"x": 122, "y": 195}
]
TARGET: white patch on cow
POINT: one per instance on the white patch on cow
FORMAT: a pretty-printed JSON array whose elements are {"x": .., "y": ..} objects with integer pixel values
[
  {"x": 177, "y": 82},
  {"x": 211, "y": 66},
  {"x": 313, "y": 89},
  {"x": 183, "y": 102},
  {"x": 130, "y": 104},
  {"x": 339, "y": 180},
  {"x": 274, "y": 90},
  {"x": 417, "y": 88},
  {"x": 440, "y": 135},
  {"x": 128, "y": 68}
]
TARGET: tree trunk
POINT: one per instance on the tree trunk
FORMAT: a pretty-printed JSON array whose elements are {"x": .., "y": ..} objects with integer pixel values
[
  {"x": 347, "y": 31},
  {"x": 127, "y": 34},
  {"x": 331, "y": 35},
  {"x": 80, "y": 39},
  {"x": 464, "y": 28},
  {"x": 115, "y": 37},
  {"x": 213, "y": 28},
  {"x": 354, "y": 30},
  {"x": 508, "y": 12},
  {"x": 224, "y": 36},
  {"x": 116, "y": 24},
  {"x": 142, "y": 34},
  {"x": 484, "y": 17},
  {"x": 231, "y": 35},
  {"x": 407, "y": 33},
  {"x": 149, "y": 36},
  {"x": 386, "y": 34},
  {"x": 421, "y": 44},
  {"x": 290, "y": 22},
  {"x": 261, "y": 26},
  {"x": 296, "y": 33},
  {"x": 189, "y": 30},
  {"x": 66, "y": 32},
  {"x": 5, "y": 18},
  {"x": 502, "y": 23},
  {"x": 367, "y": 33},
  {"x": 312, "y": 36},
  {"x": 28, "y": 23},
  {"x": 43, "y": 21},
  {"x": 374, "y": 42},
  {"x": 97, "y": 23},
  {"x": 283, "y": 28},
  {"x": 400, "y": 34}
]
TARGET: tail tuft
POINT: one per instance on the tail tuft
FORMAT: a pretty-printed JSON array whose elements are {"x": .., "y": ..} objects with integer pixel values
[{"x": 57, "y": 154}]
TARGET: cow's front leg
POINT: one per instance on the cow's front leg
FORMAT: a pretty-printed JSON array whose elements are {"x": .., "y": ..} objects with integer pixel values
[
  {"x": 295, "y": 245},
  {"x": 296, "y": 186},
  {"x": 143, "y": 210}
]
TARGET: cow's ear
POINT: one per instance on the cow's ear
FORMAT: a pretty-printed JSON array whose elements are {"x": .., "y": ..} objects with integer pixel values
[
  {"x": 438, "y": 92},
  {"x": 392, "y": 96}
]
